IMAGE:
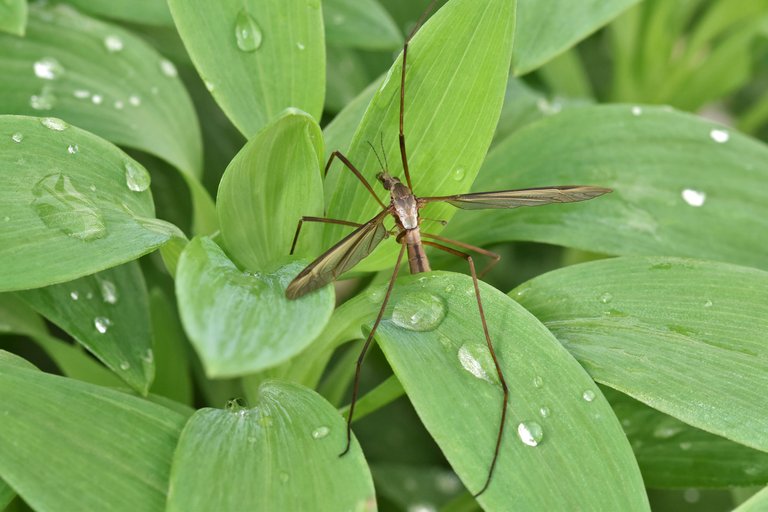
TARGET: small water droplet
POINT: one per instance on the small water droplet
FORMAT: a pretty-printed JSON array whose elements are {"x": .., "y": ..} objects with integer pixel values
[
  {"x": 459, "y": 174},
  {"x": 538, "y": 381},
  {"x": 48, "y": 68},
  {"x": 136, "y": 177},
  {"x": 125, "y": 366},
  {"x": 588, "y": 395},
  {"x": 686, "y": 445},
  {"x": 108, "y": 291},
  {"x": 74, "y": 295},
  {"x": 102, "y": 323},
  {"x": 97, "y": 99},
  {"x": 284, "y": 477},
  {"x": 247, "y": 32},
  {"x": 692, "y": 495},
  {"x": 61, "y": 206},
  {"x": 235, "y": 405},
  {"x": 475, "y": 358},
  {"x": 636, "y": 110},
  {"x": 665, "y": 431},
  {"x": 719, "y": 136},
  {"x": 606, "y": 298},
  {"x": 113, "y": 44},
  {"x": 149, "y": 356},
  {"x": 46, "y": 100},
  {"x": 134, "y": 100},
  {"x": 300, "y": 45},
  {"x": 89, "y": 295},
  {"x": 752, "y": 470},
  {"x": 448, "y": 483},
  {"x": 450, "y": 288},
  {"x": 419, "y": 311},
  {"x": 17, "y": 137},
  {"x": 530, "y": 433},
  {"x": 73, "y": 149},
  {"x": 81, "y": 94},
  {"x": 92, "y": 188},
  {"x": 119, "y": 104},
  {"x": 708, "y": 303},
  {"x": 53, "y": 123},
  {"x": 694, "y": 197},
  {"x": 168, "y": 69},
  {"x": 320, "y": 432}
]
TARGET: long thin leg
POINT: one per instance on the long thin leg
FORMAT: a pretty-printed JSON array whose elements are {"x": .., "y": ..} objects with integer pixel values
[
  {"x": 348, "y": 164},
  {"x": 490, "y": 254},
  {"x": 402, "y": 92},
  {"x": 319, "y": 219},
  {"x": 367, "y": 344},
  {"x": 493, "y": 355}
]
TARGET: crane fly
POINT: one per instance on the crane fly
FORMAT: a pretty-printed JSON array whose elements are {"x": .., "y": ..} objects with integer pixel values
[{"x": 404, "y": 208}]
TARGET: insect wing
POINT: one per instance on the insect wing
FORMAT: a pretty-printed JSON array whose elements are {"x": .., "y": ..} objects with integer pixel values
[
  {"x": 521, "y": 197},
  {"x": 339, "y": 258}
]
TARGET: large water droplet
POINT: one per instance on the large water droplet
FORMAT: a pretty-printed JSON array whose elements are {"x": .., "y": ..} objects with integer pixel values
[
  {"x": 108, "y": 291},
  {"x": 719, "y": 136},
  {"x": 53, "y": 123},
  {"x": 102, "y": 323},
  {"x": 419, "y": 311},
  {"x": 136, "y": 177},
  {"x": 694, "y": 197},
  {"x": 530, "y": 433},
  {"x": 17, "y": 137},
  {"x": 61, "y": 206},
  {"x": 247, "y": 32},
  {"x": 475, "y": 358},
  {"x": 48, "y": 68},
  {"x": 320, "y": 432},
  {"x": 113, "y": 44}
]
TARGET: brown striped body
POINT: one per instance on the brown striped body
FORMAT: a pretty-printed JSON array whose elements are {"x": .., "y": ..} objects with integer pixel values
[{"x": 417, "y": 258}]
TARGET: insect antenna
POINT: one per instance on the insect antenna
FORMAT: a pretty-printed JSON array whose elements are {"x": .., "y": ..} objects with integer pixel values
[{"x": 373, "y": 148}]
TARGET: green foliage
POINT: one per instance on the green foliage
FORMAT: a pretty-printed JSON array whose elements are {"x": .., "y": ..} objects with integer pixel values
[{"x": 149, "y": 358}]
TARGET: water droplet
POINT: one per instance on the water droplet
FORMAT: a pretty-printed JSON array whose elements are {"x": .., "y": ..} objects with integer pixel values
[
  {"x": 53, "y": 123},
  {"x": 46, "y": 100},
  {"x": 247, "y": 32},
  {"x": 113, "y": 44},
  {"x": 284, "y": 477},
  {"x": 102, "y": 323},
  {"x": 665, "y": 431},
  {"x": 108, "y": 291},
  {"x": 119, "y": 104},
  {"x": 538, "y": 381},
  {"x": 17, "y": 137},
  {"x": 694, "y": 197},
  {"x": 686, "y": 445},
  {"x": 544, "y": 411},
  {"x": 419, "y": 311},
  {"x": 61, "y": 206},
  {"x": 48, "y": 68},
  {"x": 459, "y": 174},
  {"x": 606, "y": 298},
  {"x": 92, "y": 188},
  {"x": 300, "y": 45},
  {"x": 752, "y": 470},
  {"x": 89, "y": 295},
  {"x": 448, "y": 483},
  {"x": 72, "y": 149},
  {"x": 636, "y": 111},
  {"x": 81, "y": 94},
  {"x": 588, "y": 395},
  {"x": 235, "y": 405},
  {"x": 708, "y": 304},
  {"x": 168, "y": 69},
  {"x": 691, "y": 495},
  {"x": 149, "y": 356},
  {"x": 320, "y": 432},
  {"x": 449, "y": 288},
  {"x": 719, "y": 136},
  {"x": 134, "y": 100},
  {"x": 74, "y": 295},
  {"x": 97, "y": 99},
  {"x": 530, "y": 433},
  {"x": 136, "y": 177},
  {"x": 125, "y": 366},
  {"x": 475, "y": 358}
]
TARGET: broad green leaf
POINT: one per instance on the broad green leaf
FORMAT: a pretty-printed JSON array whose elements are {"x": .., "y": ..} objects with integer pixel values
[
  {"x": 546, "y": 29},
  {"x": 64, "y": 193},
  {"x": 145, "y": 12},
  {"x": 172, "y": 371},
  {"x": 347, "y": 74},
  {"x": 101, "y": 78},
  {"x": 17, "y": 317},
  {"x": 672, "y": 454},
  {"x": 13, "y": 16},
  {"x": 271, "y": 182},
  {"x": 6, "y": 494},
  {"x": 258, "y": 57},
  {"x": 282, "y": 454},
  {"x": 683, "y": 336},
  {"x": 434, "y": 341},
  {"x": 757, "y": 503},
  {"x": 682, "y": 186},
  {"x": 67, "y": 445},
  {"x": 456, "y": 72},
  {"x": 108, "y": 313},
  {"x": 76, "y": 363},
  {"x": 411, "y": 485},
  {"x": 360, "y": 24},
  {"x": 241, "y": 322}
]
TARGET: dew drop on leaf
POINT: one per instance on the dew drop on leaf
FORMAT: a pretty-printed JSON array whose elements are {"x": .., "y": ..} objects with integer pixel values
[
  {"x": 136, "y": 177},
  {"x": 168, "y": 69},
  {"x": 17, "y": 137},
  {"x": 113, "y": 44},
  {"x": 459, "y": 174},
  {"x": 588, "y": 395},
  {"x": 544, "y": 411},
  {"x": 475, "y": 358},
  {"x": 61, "y": 206},
  {"x": 102, "y": 323},
  {"x": 125, "y": 366},
  {"x": 694, "y": 197},
  {"x": 73, "y": 149},
  {"x": 419, "y": 311},
  {"x": 530, "y": 433},
  {"x": 97, "y": 99},
  {"x": 320, "y": 432},
  {"x": 719, "y": 136},
  {"x": 108, "y": 292},
  {"x": 53, "y": 123},
  {"x": 247, "y": 32},
  {"x": 134, "y": 100},
  {"x": 48, "y": 68}
]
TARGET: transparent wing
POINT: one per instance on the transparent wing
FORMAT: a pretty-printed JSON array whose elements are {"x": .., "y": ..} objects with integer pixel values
[
  {"x": 339, "y": 258},
  {"x": 521, "y": 197}
]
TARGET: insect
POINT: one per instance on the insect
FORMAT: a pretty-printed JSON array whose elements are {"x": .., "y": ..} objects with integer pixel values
[{"x": 404, "y": 208}]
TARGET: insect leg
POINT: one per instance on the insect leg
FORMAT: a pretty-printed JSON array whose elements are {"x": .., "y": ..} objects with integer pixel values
[
  {"x": 348, "y": 164},
  {"x": 490, "y": 254},
  {"x": 319, "y": 219}
]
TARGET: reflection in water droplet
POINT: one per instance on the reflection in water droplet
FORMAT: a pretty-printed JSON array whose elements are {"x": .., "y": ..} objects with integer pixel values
[
  {"x": 694, "y": 197},
  {"x": 459, "y": 174},
  {"x": 247, "y": 32},
  {"x": 72, "y": 149},
  {"x": 113, "y": 44},
  {"x": 48, "y": 68},
  {"x": 61, "y": 206},
  {"x": 320, "y": 432},
  {"x": 475, "y": 358},
  {"x": 530, "y": 433},
  {"x": 606, "y": 298},
  {"x": 108, "y": 291},
  {"x": 588, "y": 395},
  {"x": 53, "y": 123},
  {"x": 419, "y": 311},
  {"x": 168, "y": 69},
  {"x": 102, "y": 323},
  {"x": 17, "y": 137},
  {"x": 719, "y": 136},
  {"x": 136, "y": 177}
]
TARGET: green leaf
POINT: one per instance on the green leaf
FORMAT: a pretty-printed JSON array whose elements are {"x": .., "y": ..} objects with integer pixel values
[
  {"x": 108, "y": 313},
  {"x": 361, "y": 24},
  {"x": 64, "y": 193},
  {"x": 677, "y": 190},
  {"x": 457, "y": 68},
  {"x": 172, "y": 369},
  {"x": 76, "y": 363},
  {"x": 17, "y": 317},
  {"x": 271, "y": 182},
  {"x": 756, "y": 503},
  {"x": 13, "y": 16},
  {"x": 145, "y": 12},
  {"x": 544, "y": 30},
  {"x": 67, "y": 445},
  {"x": 434, "y": 341},
  {"x": 282, "y": 454},
  {"x": 347, "y": 74},
  {"x": 241, "y": 322},
  {"x": 683, "y": 336},
  {"x": 257, "y": 57},
  {"x": 101, "y": 78}
]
